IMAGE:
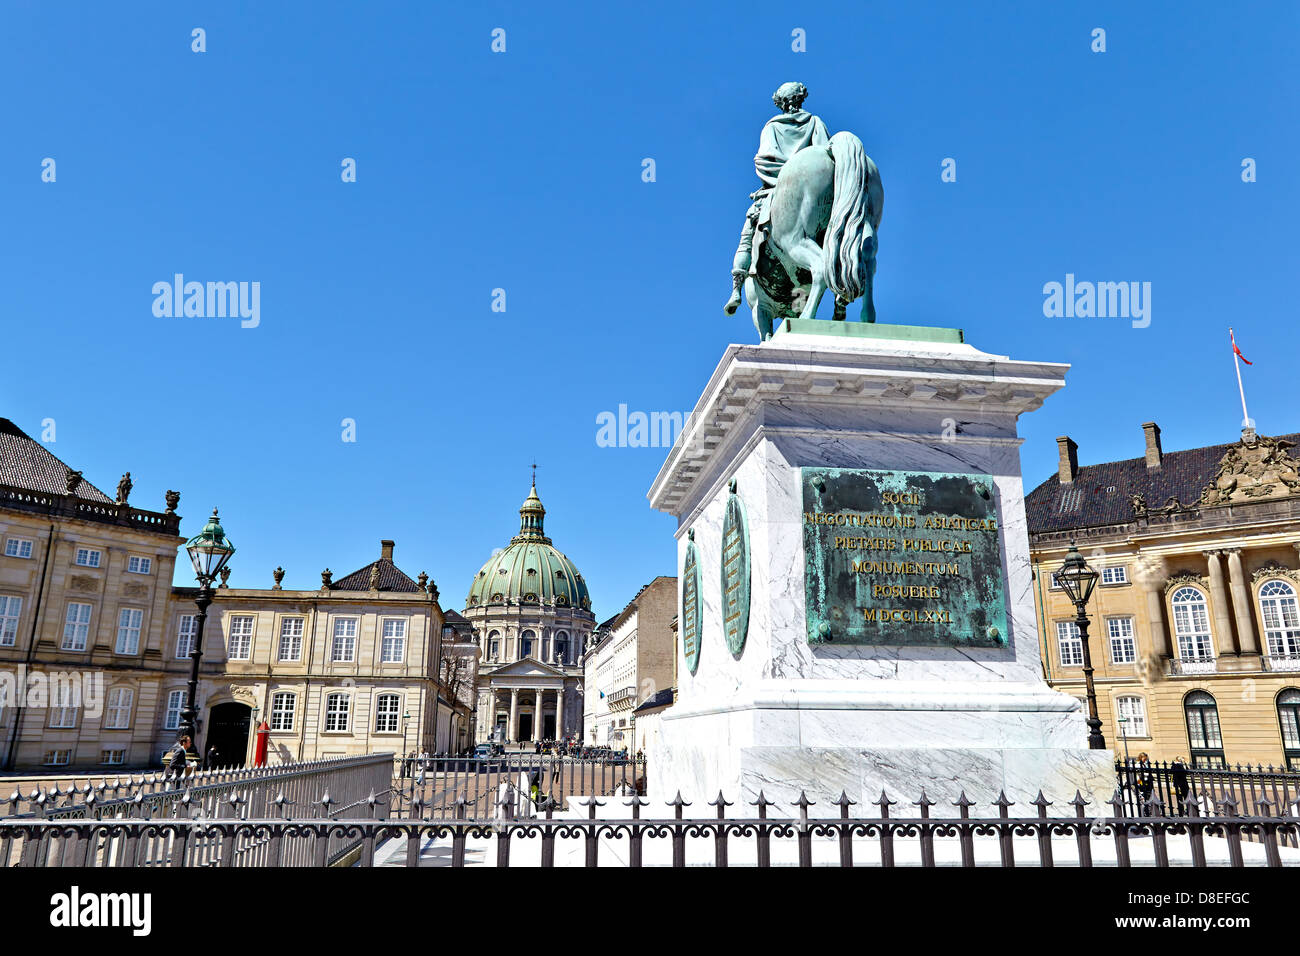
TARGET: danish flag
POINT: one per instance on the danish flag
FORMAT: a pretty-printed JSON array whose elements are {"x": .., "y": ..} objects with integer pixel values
[{"x": 1237, "y": 350}]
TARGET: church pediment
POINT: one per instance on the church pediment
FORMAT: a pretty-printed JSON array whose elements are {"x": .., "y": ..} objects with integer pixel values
[
  {"x": 528, "y": 667},
  {"x": 1257, "y": 469}
]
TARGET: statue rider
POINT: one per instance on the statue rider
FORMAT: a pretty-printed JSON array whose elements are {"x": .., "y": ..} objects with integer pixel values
[{"x": 782, "y": 137}]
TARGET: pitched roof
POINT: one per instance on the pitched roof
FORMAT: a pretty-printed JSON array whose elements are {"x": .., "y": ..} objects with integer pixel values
[
  {"x": 453, "y": 617},
  {"x": 391, "y": 578},
  {"x": 26, "y": 463},
  {"x": 1100, "y": 494}
]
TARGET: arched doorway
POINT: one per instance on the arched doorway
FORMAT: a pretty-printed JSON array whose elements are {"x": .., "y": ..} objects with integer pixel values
[{"x": 228, "y": 732}]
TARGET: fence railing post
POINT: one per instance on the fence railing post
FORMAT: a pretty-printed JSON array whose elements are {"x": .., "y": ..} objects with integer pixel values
[
  {"x": 803, "y": 834},
  {"x": 720, "y": 834},
  {"x": 886, "y": 832},
  {"x": 845, "y": 830},
  {"x": 762, "y": 833},
  {"x": 926, "y": 834},
  {"x": 1044, "y": 831}
]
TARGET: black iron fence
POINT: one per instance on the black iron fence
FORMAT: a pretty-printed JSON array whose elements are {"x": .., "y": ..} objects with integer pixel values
[
  {"x": 1167, "y": 787},
  {"x": 1002, "y": 840},
  {"x": 438, "y": 783}
]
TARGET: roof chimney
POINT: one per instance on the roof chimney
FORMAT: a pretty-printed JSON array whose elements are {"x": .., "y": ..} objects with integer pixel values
[
  {"x": 1152, "y": 431},
  {"x": 1069, "y": 467},
  {"x": 386, "y": 550}
]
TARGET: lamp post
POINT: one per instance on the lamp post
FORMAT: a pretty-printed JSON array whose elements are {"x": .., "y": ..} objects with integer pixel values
[
  {"x": 209, "y": 551},
  {"x": 1078, "y": 580}
]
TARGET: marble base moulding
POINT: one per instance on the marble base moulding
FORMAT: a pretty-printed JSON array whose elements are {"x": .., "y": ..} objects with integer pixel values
[{"x": 788, "y": 714}]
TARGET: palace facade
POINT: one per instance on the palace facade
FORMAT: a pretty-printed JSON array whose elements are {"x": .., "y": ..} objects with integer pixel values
[
  {"x": 631, "y": 661},
  {"x": 365, "y": 663},
  {"x": 1195, "y": 632},
  {"x": 531, "y": 611},
  {"x": 87, "y": 620},
  {"x": 348, "y": 669}
]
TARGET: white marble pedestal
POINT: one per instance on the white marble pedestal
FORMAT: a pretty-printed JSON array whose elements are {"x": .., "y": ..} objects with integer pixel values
[{"x": 787, "y": 716}]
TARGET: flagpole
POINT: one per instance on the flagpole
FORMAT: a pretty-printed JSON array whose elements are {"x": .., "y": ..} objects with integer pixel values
[{"x": 1236, "y": 363}]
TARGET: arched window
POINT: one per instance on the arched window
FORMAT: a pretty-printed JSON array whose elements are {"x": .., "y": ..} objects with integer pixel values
[
  {"x": 1192, "y": 628},
  {"x": 1288, "y": 715},
  {"x": 526, "y": 640},
  {"x": 494, "y": 646},
  {"x": 1203, "y": 732},
  {"x": 1277, "y": 606},
  {"x": 562, "y": 647}
]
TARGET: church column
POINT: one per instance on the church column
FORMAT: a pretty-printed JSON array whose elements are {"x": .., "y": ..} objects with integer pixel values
[
  {"x": 513, "y": 733},
  {"x": 559, "y": 714},
  {"x": 1219, "y": 595},
  {"x": 1241, "y": 604},
  {"x": 537, "y": 714}
]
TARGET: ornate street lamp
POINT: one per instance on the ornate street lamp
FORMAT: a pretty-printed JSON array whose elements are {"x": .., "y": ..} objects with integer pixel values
[
  {"x": 209, "y": 550},
  {"x": 1078, "y": 580}
]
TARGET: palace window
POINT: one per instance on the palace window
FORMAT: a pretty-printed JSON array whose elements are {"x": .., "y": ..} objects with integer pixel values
[
  {"x": 1117, "y": 574},
  {"x": 240, "y": 645},
  {"x": 138, "y": 565},
  {"x": 63, "y": 714},
  {"x": 186, "y": 631},
  {"x": 89, "y": 557},
  {"x": 113, "y": 757},
  {"x": 345, "y": 640},
  {"x": 1192, "y": 625},
  {"x": 1288, "y": 714},
  {"x": 1120, "y": 631},
  {"x": 1277, "y": 605},
  {"x": 337, "y": 708},
  {"x": 388, "y": 709},
  {"x": 1133, "y": 711},
  {"x": 283, "y": 706},
  {"x": 1203, "y": 732},
  {"x": 1069, "y": 643},
  {"x": 175, "y": 702},
  {"x": 291, "y": 639},
  {"x": 76, "y": 625},
  {"x": 58, "y": 758},
  {"x": 393, "y": 648},
  {"x": 18, "y": 548},
  {"x": 129, "y": 620},
  {"x": 117, "y": 716},
  {"x": 10, "y": 609}
]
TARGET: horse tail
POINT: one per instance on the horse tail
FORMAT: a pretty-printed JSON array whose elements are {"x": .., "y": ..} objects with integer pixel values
[{"x": 852, "y": 223}]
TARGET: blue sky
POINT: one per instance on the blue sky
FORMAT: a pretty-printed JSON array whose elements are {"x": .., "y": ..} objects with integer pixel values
[{"x": 522, "y": 171}]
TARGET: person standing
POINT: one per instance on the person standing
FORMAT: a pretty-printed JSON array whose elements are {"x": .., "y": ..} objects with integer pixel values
[
  {"x": 1178, "y": 770},
  {"x": 177, "y": 759},
  {"x": 1146, "y": 783}
]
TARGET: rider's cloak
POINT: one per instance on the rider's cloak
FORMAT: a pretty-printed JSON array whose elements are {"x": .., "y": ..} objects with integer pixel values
[{"x": 782, "y": 137}]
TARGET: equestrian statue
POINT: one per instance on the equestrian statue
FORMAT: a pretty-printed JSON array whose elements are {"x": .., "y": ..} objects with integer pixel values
[{"x": 812, "y": 223}]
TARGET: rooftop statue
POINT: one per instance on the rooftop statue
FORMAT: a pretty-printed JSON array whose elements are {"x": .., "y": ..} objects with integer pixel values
[{"x": 812, "y": 223}]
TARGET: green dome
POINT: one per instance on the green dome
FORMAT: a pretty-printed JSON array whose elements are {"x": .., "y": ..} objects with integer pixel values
[{"x": 530, "y": 571}]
